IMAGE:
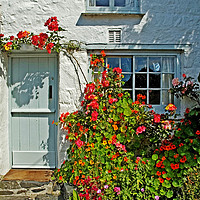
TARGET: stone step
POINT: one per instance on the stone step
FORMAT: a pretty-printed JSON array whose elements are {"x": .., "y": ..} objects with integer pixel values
[
  {"x": 29, "y": 190},
  {"x": 38, "y": 197}
]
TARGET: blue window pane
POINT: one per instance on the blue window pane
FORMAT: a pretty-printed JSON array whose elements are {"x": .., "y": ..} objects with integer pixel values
[
  {"x": 126, "y": 64},
  {"x": 113, "y": 62},
  {"x": 102, "y": 2},
  {"x": 120, "y": 3},
  {"x": 140, "y": 64}
]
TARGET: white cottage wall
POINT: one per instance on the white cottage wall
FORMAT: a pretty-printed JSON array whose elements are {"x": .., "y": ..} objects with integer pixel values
[{"x": 169, "y": 22}]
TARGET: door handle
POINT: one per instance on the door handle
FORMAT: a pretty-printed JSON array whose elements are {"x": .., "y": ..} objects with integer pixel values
[{"x": 50, "y": 92}]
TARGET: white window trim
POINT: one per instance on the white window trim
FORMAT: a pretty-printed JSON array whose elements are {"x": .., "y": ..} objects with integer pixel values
[
  {"x": 114, "y": 9},
  {"x": 177, "y": 70}
]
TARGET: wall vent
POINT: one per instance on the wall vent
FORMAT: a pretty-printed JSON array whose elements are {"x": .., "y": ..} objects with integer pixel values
[{"x": 114, "y": 36}]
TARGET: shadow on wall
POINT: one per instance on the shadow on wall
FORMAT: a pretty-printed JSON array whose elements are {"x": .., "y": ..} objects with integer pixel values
[{"x": 108, "y": 20}]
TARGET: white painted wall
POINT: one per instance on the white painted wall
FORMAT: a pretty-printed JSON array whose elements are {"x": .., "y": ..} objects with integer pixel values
[{"x": 165, "y": 22}]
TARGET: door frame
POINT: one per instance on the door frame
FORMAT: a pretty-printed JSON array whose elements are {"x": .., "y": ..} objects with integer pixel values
[{"x": 35, "y": 54}]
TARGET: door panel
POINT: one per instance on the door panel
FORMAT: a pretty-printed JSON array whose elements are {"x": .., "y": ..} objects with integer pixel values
[{"x": 33, "y": 137}]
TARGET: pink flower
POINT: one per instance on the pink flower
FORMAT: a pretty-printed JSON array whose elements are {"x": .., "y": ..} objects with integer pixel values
[
  {"x": 98, "y": 191},
  {"x": 106, "y": 186},
  {"x": 167, "y": 125},
  {"x": 79, "y": 143},
  {"x": 190, "y": 83},
  {"x": 175, "y": 82},
  {"x": 184, "y": 90},
  {"x": 117, "y": 189},
  {"x": 140, "y": 129}
]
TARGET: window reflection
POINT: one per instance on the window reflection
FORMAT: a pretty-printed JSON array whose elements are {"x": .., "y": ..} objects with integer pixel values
[
  {"x": 113, "y": 62},
  {"x": 102, "y": 2},
  {"x": 140, "y": 64},
  {"x": 120, "y": 3},
  {"x": 126, "y": 64}
]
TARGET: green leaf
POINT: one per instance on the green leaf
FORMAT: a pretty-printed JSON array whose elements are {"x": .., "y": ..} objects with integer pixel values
[
  {"x": 169, "y": 194},
  {"x": 120, "y": 110},
  {"x": 198, "y": 160},
  {"x": 155, "y": 157},
  {"x": 116, "y": 118},
  {"x": 75, "y": 195},
  {"x": 127, "y": 111},
  {"x": 175, "y": 183}
]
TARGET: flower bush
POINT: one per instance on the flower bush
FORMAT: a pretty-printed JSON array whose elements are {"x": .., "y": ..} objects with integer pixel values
[
  {"x": 122, "y": 149},
  {"x": 50, "y": 40},
  {"x": 186, "y": 87}
]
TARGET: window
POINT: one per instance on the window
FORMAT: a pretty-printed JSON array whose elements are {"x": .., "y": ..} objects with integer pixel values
[
  {"x": 118, "y": 6},
  {"x": 150, "y": 75}
]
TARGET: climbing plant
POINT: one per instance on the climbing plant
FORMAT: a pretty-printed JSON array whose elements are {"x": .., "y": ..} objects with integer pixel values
[{"x": 122, "y": 149}]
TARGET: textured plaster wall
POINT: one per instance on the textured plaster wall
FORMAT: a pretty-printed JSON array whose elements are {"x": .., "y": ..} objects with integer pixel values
[
  {"x": 4, "y": 140},
  {"x": 165, "y": 22}
]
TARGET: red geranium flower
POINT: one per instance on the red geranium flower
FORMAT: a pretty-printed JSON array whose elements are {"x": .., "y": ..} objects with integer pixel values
[
  {"x": 183, "y": 159},
  {"x": 49, "y": 47},
  {"x": 12, "y": 37},
  {"x": 118, "y": 70},
  {"x": 158, "y": 173},
  {"x": 94, "y": 115},
  {"x": 187, "y": 110},
  {"x": 198, "y": 132},
  {"x": 156, "y": 118}
]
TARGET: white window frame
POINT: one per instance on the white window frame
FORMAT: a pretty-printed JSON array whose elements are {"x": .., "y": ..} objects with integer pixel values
[
  {"x": 114, "y": 9},
  {"x": 177, "y": 71}
]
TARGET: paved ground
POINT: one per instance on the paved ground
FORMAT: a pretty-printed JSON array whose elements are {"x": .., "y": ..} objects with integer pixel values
[{"x": 20, "y": 184}]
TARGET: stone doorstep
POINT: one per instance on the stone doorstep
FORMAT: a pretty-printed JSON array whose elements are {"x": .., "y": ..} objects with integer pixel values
[
  {"x": 37, "y": 197},
  {"x": 33, "y": 190},
  {"x": 29, "y": 190}
]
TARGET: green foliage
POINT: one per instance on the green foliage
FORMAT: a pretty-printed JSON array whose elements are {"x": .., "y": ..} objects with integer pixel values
[{"x": 121, "y": 149}]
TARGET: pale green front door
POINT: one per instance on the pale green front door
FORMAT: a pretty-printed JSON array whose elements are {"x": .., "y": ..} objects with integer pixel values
[{"x": 33, "y": 103}]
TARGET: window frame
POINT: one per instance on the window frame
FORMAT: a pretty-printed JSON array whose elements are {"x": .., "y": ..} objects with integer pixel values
[
  {"x": 177, "y": 71},
  {"x": 114, "y": 9}
]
